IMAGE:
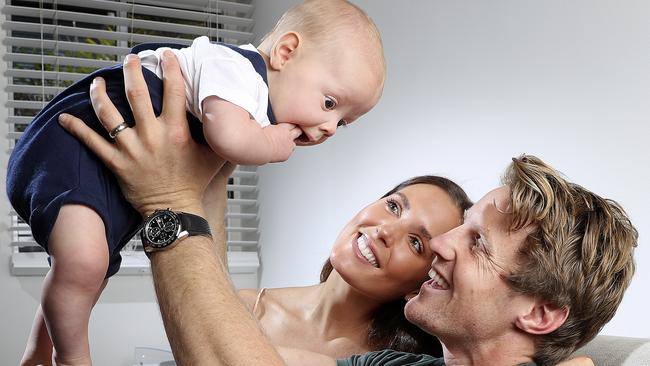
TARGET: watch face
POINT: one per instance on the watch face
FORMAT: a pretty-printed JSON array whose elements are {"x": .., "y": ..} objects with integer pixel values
[{"x": 161, "y": 229}]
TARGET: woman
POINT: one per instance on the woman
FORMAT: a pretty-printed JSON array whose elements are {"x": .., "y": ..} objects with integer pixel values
[{"x": 378, "y": 259}]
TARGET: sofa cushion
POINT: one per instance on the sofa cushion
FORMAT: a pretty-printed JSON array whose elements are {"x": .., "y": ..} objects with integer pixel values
[{"x": 617, "y": 351}]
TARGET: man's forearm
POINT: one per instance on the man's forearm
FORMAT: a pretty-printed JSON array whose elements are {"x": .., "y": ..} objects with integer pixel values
[
  {"x": 215, "y": 205},
  {"x": 206, "y": 323}
]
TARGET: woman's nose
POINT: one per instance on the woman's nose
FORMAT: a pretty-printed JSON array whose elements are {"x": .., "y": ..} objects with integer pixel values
[{"x": 387, "y": 233}]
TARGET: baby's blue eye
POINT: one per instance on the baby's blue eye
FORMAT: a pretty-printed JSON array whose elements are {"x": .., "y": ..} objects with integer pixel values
[{"x": 330, "y": 103}]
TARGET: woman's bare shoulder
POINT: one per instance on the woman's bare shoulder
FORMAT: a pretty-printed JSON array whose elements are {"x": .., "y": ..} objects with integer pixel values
[
  {"x": 277, "y": 298},
  {"x": 248, "y": 296}
]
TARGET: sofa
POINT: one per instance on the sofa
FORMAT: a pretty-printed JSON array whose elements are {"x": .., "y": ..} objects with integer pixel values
[{"x": 617, "y": 351}]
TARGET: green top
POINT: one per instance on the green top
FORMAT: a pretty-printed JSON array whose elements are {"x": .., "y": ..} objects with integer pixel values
[{"x": 388, "y": 357}]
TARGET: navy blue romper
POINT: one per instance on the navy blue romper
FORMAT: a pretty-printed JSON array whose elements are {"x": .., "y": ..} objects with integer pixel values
[{"x": 49, "y": 168}]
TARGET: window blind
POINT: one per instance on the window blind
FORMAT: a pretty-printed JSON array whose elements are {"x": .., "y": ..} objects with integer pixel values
[{"x": 50, "y": 44}]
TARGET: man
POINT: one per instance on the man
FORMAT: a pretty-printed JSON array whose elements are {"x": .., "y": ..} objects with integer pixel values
[{"x": 536, "y": 269}]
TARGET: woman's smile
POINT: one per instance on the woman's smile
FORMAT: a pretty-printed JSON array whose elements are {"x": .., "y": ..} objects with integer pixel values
[{"x": 363, "y": 248}]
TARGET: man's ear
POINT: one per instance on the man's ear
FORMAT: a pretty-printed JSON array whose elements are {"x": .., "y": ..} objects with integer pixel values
[
  {"x": 284, "y": 49},
  {"x": 542, "y": 318}
]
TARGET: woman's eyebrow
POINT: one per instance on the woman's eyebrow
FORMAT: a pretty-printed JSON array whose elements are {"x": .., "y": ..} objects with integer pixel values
[
  {"x": 425, "y": 233},
  {"x": 407, "y": 205},
  {"x": 405, "y": 200}
]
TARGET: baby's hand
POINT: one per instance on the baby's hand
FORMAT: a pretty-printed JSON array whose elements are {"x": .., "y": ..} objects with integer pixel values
[{"x": 281, "y": 140}]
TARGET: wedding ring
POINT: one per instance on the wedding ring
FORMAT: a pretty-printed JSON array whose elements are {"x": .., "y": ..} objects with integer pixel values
[{"x": 119, "y": 128}]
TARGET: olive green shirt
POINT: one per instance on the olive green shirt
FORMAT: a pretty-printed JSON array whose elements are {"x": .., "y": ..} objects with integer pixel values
[{"x": 389, "y": 357}]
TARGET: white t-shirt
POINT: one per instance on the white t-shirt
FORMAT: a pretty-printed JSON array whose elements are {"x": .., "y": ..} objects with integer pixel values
[{"x": 211, "y": 69}]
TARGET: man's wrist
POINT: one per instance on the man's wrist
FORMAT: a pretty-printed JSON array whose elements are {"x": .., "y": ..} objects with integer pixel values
[
  {"x": 189, "y": 206},
  {"x": 165, "y": 228}
]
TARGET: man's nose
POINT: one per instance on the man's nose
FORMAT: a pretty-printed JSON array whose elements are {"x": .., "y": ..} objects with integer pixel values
[{"x": 444, "y": 245}]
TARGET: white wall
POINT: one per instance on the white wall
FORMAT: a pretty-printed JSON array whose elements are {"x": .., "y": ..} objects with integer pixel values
[{"x": 471, "y": 84}]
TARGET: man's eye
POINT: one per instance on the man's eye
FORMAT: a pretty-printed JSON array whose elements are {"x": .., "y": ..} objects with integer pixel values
[
  {"x": 417, "y": 244},
  {"x": 478, "y": 243},
  {"x": 330, "y": 103}
]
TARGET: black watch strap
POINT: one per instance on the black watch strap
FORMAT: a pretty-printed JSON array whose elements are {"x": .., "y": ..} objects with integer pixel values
[{"x": 194, "y": 225}]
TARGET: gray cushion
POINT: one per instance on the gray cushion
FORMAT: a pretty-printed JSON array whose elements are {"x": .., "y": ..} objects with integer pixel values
[{"x": 617, "y": 351}]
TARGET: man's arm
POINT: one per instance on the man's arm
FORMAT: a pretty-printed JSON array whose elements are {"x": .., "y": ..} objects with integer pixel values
[
  {"x": 159, "y": 166},
  {"x": 215, "y": 204}
]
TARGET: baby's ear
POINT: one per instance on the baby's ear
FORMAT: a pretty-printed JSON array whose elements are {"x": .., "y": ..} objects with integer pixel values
[{"x": 284, "y": 49}]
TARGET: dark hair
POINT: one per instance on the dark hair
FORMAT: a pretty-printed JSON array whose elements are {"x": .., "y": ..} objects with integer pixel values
[{"x": 389, "y": 327}]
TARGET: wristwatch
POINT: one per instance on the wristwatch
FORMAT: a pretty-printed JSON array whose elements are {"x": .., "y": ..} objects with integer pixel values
[{"x": 164, "y": 228}]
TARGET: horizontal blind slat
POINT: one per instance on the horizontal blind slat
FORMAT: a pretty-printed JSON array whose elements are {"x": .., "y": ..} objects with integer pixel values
[
  {"x": 33, "y": 89},
  {"x": 24, "y": 104},
  {"x": 193, "y": 5},
  {"x": 241, "y": 188},
  {"x": 47, "y": 75},
  {"x": 62, "y": 30},
  {"x": 106, "y": 20},
  {"x": 194, "y": 16},
  {"x": 57, "y": 60},
  {"x": 232, "y": 243},
  {"x": 229, "y": 215},
  {"x": 19, "y": 119},
  {"x": 66, "y": 46},
  {"x": 233, "y": 229}
]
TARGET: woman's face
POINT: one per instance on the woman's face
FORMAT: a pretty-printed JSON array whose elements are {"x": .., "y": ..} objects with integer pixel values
[{"x": 383, "y": 251}]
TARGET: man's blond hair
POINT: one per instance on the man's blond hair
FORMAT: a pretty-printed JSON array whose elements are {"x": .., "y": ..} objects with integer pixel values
[{"x": 580, "y": 256}]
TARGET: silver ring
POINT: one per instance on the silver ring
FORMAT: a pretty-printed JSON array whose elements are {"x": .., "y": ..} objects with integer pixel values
[{"x": 119, "y": 128}]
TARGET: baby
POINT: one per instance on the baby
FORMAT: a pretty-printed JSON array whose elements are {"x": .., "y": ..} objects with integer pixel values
[{"x": 321, "y": 67}]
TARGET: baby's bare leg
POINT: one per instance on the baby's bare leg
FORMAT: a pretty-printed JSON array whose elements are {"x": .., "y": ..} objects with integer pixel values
[
  {"x": 39, "y": 346},
  {"x": 79, "y": 254}
]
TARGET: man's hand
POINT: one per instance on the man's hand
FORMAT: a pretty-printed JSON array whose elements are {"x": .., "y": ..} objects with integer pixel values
[
  {"x": 281, "y": 138},
  {"x": 156, "y": 162}
]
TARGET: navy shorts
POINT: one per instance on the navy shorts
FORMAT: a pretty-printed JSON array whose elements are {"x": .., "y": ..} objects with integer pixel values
[{"x": 50, "y": 168}]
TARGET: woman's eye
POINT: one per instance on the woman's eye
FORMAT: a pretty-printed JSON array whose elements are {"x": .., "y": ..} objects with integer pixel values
[
  {"x": 392, "y": 206},
  {"x": 330, "y": 103},
  {"x": 417, "y": 244}
]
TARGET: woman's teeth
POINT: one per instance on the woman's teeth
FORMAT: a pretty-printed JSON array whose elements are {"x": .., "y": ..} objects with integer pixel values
[
  {"x": 362, "y": 244},
  {"x": 438, "y": 280}
]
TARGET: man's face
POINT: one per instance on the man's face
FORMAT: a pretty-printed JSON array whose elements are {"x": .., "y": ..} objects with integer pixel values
[{"x": 467, "y": 297}]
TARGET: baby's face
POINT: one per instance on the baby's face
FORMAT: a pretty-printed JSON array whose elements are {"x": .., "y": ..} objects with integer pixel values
[{"x": 320, "y": 93}]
